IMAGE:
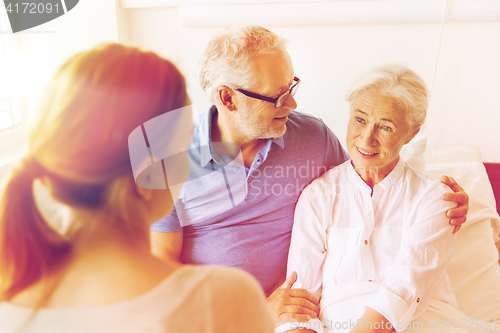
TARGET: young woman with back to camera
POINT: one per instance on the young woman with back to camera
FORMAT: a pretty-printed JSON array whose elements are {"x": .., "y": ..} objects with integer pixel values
[{"x": 92, "y": 271}]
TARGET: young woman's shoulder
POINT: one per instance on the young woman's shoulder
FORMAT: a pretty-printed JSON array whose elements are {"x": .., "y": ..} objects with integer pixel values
[{"x": 229, "y": 299}]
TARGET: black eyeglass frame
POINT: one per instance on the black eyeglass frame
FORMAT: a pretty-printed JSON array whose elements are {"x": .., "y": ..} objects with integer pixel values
[{"x": 291, "y": 91}]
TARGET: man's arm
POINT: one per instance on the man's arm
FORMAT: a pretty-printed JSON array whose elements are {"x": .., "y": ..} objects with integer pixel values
[
  {"x": 457, "y": 215},
  {"x": 166, "y": 246}
]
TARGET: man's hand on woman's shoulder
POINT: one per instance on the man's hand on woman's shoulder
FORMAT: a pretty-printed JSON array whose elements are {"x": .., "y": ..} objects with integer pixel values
[{"x": 457, "y": 215}]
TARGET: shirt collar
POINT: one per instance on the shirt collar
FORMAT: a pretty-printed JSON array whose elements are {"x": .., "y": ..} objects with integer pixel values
[
  {"x": 279, "y": 141},
  {"x": 390, "y": 179},
  {"x": 207, "y": 152}
]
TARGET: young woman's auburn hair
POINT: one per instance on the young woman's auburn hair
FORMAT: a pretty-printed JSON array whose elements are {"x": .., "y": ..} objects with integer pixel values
[{"x": 80, "y": 145}]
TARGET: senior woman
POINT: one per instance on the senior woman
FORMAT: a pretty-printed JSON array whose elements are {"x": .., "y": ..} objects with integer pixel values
[{"x": 371, "y": 236}]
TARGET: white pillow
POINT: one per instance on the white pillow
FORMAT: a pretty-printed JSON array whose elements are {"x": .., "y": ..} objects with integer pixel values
[
  {"x": 474, "y": 271},
  {"x": 413, "y": 153}
]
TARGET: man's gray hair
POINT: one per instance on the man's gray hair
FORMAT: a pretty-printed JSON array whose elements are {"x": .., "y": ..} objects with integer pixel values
[
  {"x": 396, "y": 81},
  {"x": 228, "y": 58}
]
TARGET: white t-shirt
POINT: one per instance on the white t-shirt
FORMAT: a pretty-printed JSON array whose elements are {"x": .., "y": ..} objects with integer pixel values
[
  {"x": 387, "y": 250},
  {"x": 191, "y": 299}
]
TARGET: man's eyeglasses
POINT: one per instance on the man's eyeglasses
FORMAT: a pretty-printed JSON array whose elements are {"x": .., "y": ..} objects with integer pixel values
[{"x": 278, "y": 101}]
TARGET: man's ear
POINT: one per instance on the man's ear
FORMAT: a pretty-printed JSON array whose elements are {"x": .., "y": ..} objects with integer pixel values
[
  {"x": 415, "y": 132},
  {"x": 225, "y": 96}
]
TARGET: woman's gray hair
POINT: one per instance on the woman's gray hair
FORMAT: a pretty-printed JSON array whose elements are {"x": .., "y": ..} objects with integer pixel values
[
  {"x": 397, "y": 81},
  {"x": 228, "y": 58}
]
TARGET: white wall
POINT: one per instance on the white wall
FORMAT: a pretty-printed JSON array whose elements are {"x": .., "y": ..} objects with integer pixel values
[
  {"x": 464, "y": 108},
  {"x": 38, "y": 53}
]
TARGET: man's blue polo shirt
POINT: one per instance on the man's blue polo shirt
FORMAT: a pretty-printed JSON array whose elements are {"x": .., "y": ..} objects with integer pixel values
[{"x": 234, "y": 216}]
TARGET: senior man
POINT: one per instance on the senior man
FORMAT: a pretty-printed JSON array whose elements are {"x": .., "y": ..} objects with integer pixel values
[{"x": 238, "y": 208}]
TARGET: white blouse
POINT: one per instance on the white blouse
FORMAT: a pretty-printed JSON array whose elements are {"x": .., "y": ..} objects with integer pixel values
[{"x": 386, "y": 250}]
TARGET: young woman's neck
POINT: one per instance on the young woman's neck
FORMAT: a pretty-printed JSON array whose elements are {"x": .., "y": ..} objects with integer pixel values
[{"x": 106, "y": 265}]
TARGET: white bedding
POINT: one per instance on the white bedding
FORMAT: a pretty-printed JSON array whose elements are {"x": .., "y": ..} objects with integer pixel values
[{"x": 474, "y": 271}]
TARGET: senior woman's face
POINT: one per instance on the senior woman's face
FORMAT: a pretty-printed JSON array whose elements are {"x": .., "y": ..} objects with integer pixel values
[{"x": 376, "y": 133}]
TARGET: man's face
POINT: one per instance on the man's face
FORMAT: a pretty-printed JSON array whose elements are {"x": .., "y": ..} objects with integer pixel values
[{"x": 258, "y": 119}]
